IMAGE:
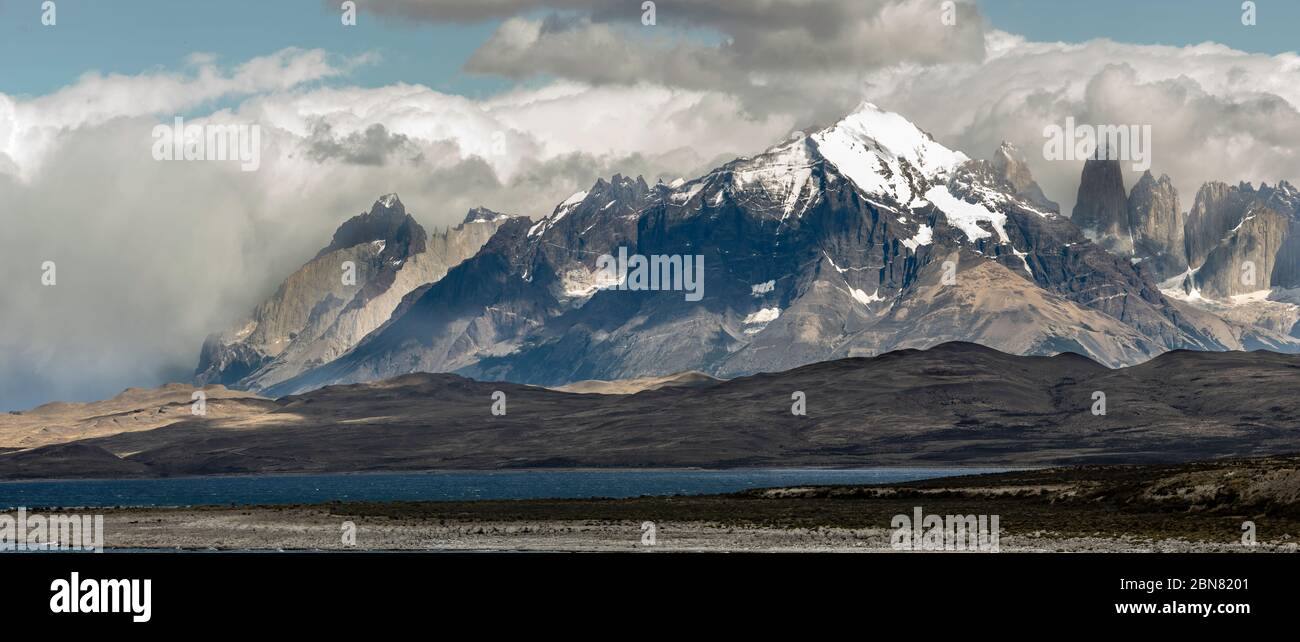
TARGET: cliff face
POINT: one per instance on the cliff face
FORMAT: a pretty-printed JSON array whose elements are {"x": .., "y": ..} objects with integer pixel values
[
  {"x": 1010, "y": 166},
  {"x": 316, "y": 315},
  {"x": 1234, "y": 240},
  {"x": 1243, "y": 261},
  {"x": 1239, "y": 239},
  {"x": 1156, "y": 221},
  {"x": 1101, "y": 210},
  {"x": 1218, "y": 209},
  {"x": 1284, "y": 198}
]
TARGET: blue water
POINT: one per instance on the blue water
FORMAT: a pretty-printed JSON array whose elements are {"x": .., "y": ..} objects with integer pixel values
[{"x": 441, "y": 486}]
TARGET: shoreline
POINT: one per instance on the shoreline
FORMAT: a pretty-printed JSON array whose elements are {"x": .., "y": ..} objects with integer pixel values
[
  {"x": 312, "y": 530},
  {"x": 485, "y": 471},
  {"x": 1246, "y": 505}
]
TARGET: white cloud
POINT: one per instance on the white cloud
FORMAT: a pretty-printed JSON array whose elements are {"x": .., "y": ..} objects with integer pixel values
[
  {"x": 1216, "y": 113},
  {"x": 30, "y": 129}
]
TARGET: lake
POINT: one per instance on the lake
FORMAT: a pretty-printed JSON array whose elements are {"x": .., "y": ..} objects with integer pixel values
[{"x": 436, "y": 486}]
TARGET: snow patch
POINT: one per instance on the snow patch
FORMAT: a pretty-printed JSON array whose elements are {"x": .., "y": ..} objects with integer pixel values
[
  {"x": 782, "y": 173},
  {"x": 576, "y": 198},
  {"x": 761, "y": 319},
  {"x": 1182, "y": 287},
  {"x": 766, "y": 315},
  {"x": 560, "y": 212},
  {"x": 685, "y": 196},
  {"x": 759, "y": 289},
  {"x": 847, "y": 269},
  {"x": 924, "y": 236},
  {"x": 864, "y": 299},
  {"x": 580, "y": 283},
  {"x": 966, "y": 216},
  {"x": 1257, "y": 296},
  {"x": 1022, "y": 256},
  {"x": 1000, "y": 199}
]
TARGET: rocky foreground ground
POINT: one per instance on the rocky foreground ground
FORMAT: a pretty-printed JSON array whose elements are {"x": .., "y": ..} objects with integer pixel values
[{"x": 1176, "y": 508}]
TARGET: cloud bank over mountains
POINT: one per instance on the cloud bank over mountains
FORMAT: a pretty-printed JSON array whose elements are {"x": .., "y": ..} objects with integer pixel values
[{"x": 152, "y": 256}]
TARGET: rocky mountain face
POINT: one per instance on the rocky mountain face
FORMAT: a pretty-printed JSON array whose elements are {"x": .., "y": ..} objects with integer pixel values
[
  {"x": 864, "y": 237},
  {"x": 1239, "y": 241},
  {"x": 1243, "y": 261},
  {"x": 1010, "y": 166},
  {"x": 1156, "y": 222},
  {"x": 317, "y": 314},
  {"x": 1218, "y": 209},
  {"x": 1284, "y": 199},
  {"x": 1101, "y": 209},
  {"x": 1231, "y": 262},
  {"x": 527, "y": 274}
]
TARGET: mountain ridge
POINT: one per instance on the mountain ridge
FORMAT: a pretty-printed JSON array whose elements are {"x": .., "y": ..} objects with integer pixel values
[
  {"x": 859, "y": 238},
  {"x": 317, "y": 315},
  {"x": 954, "y": 404}
]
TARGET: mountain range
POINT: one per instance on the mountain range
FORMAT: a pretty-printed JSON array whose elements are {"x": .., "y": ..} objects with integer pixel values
[
  {"x": 861, "y": 238},
  {"x": 1235, "y": 252},
  {"x": 925, "y": 308}
]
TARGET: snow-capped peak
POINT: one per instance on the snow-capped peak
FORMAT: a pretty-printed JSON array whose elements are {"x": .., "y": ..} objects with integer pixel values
[
  {"x": 885, "y": 154},
  {"x": 870, "y": 146},
  {"x": 388, "y": 200},
  {"x": 881, "y": 153}
]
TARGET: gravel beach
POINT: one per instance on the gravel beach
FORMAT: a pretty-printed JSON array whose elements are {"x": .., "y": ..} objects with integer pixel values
[{"x": 317, "y": 528}]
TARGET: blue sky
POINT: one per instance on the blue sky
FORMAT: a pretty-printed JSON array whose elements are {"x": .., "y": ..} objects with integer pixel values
[
  {"x": 1165, "y": 22},
  {"x": 131, "y": 36}
]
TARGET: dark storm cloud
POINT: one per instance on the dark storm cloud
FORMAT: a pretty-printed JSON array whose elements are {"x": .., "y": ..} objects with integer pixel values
[{"x": 374, "y": 146}]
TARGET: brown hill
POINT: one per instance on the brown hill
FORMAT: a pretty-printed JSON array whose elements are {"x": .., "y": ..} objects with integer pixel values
[{"x": 955, "y": 404}]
